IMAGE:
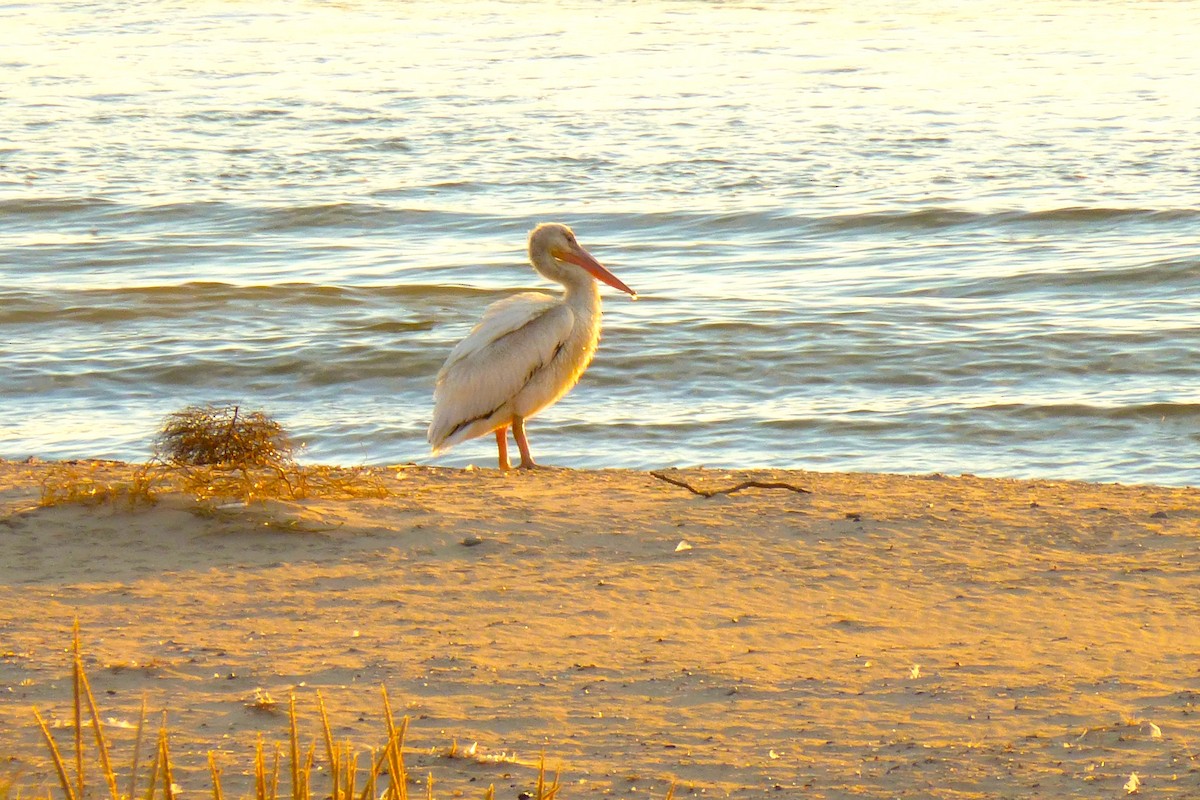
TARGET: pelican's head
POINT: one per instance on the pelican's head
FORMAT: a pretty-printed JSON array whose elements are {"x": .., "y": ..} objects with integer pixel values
[{"x": 555, "y": 253}]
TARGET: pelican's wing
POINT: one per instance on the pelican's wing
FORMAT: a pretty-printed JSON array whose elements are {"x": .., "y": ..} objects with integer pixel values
[{"x": 485, "y": 371}]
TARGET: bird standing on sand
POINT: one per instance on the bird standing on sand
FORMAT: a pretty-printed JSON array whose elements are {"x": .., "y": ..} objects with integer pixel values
[{"x": 526, "y": 352}]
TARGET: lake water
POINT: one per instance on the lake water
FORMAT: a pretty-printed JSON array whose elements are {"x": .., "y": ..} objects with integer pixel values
[{"x": 930, "y": 236}]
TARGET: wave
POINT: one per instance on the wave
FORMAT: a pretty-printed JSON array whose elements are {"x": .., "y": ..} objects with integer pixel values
[
  {"x": 1103, "y": 214},
  {"x": 775, "y": 223},
  {"x": 1169, "y": 275},
  {"x": 939, "y": 218},
  {"x": 14, "y": 211},
  {"x": 384, "y": 215},
  {"x": 1170, "y": 278},
  {"x": 211, "y": 214},
  {"x": 185, "y": 300},
  {"x": 1146, "y": 411},
  {"x": 365, "y": 216},
  {"x": 925, "y": 218}
]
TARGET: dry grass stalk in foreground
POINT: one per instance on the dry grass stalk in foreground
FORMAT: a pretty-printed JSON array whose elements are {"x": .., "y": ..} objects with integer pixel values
[{"x": 345, "y": 779}]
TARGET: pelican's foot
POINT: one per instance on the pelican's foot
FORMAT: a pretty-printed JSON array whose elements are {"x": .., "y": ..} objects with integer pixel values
[
  {"x": 518, "y": 428},
  {"x": 529, "y": 465}
]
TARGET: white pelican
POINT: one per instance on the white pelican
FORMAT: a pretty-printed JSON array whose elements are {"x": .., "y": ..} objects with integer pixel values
[{"x": 526, "y": 352}]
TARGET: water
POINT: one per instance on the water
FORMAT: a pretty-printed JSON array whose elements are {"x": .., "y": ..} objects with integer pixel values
[{"x": 923, "y": 237}]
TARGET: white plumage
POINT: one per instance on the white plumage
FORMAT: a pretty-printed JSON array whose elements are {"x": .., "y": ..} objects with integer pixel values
[{"x": 526, "y": 352}]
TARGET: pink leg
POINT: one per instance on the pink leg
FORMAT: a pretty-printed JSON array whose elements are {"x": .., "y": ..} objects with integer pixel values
[
  {"x": 518, "y": 426},
  {"x": 502, "y": 446}
]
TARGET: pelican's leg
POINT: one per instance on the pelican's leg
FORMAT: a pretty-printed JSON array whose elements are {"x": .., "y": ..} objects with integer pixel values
[
  {"x": 518, "y": 426},
  {"x": 502, "y": 446}
]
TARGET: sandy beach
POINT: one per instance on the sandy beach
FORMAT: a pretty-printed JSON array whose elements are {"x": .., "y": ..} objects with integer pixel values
[{"x": 882, "y": 636}]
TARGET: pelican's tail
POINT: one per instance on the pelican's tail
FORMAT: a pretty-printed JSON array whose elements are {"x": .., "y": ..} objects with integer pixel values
[
  {"x": 437, "y": 438},
  {"x": 453, "y": 424},
  {"x": 444, "y": 434}
]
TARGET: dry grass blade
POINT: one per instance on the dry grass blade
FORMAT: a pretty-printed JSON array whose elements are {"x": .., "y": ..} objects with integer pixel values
[
  {"x": 306, "y": 773},
  {"x": 260, "y": 772},
  {"x": 398, "y": 785},
  {"x": 137, "y": 748},
  {"x": 295, "y": 745},
  {"x": 545, "y": 792},
  {"x": 377, "y": 759},
  {"x": 101, "y": 745},
  {"x": 331, "y": 750},
  {"x": 77, "y": 690},
  {"x": 63, "y": 778},
  {"x": 351, "y": 772},
  {"x": 155, "y": 768},
  {"x": 216, "y": 776},
  {"x": 168, "y": 778},
  {"x": 275, "y": 762},
  {"x": 397, "y": 772}
]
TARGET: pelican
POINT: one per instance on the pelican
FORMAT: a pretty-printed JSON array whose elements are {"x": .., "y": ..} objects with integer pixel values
[{"x": 526, "y": 352}]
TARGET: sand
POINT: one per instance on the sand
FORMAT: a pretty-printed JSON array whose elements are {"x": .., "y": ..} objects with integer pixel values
[{"x": 884, "y": 636}]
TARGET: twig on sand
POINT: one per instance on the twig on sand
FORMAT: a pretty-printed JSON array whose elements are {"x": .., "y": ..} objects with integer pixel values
[{"x": 731, "y": 489}]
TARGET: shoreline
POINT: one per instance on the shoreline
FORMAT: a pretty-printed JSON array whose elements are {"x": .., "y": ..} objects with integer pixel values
[
  {"x": 886, "y": 635},
  {"x": 488, "y": 466}
]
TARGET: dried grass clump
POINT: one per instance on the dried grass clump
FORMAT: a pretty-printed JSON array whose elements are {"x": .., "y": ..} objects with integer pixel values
[
  {"x": 218, "y": 483},
  {"x": 377, "y": 774},
  {"x": 98, "y": 483},
  {"x": 215, "y": 454},
  {"x": 221, "y": 452},
  {"x": 202, "y": 436}
]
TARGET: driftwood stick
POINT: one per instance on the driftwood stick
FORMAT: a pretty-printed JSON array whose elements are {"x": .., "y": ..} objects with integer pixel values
[{"x": 731, "y": 489}]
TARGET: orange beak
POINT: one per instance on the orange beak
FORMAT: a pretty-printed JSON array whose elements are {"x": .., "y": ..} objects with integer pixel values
[{"x": 582, "y": 258}]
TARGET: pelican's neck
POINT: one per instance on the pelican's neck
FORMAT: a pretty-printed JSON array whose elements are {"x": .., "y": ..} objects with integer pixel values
[
  {"x": 581, "y": 291},
  {"x": 583, "y": 297}
]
